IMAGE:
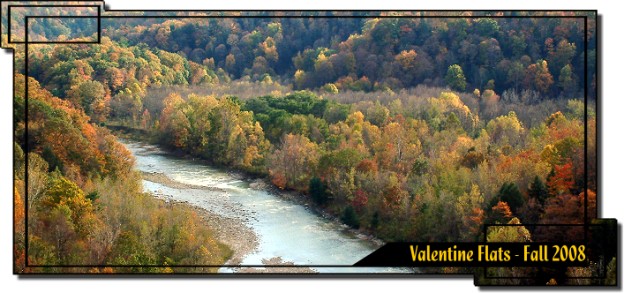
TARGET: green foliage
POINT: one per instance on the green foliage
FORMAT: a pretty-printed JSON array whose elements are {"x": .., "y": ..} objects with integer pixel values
[
  {"x": 510, "y": 194},
  {"x": 486, "y": 27},
  {"x": 318, "y": 191},
  {"x": 336, "y": 112},
  {"x": 420, "y": 167},
  {"x": 86, "y": 94},
  {"x": 302, "y": 102},
  {"x": 455, "y": 78},
  {"x": 350, "y": 218},
  {"x": 377, "y": 114},
  {"x": 375, "y": 220},
  {"x": 345, "y": 159},
  {"x": 93, "y": 196},
  {"x": 282, "y": 115},
  {"x": 538, "y": 190}
]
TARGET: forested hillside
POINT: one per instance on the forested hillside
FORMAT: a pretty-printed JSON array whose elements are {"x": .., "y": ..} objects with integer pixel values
[
  {"x": 366, "y": 54},
  {"x": 85, "y": 203}
]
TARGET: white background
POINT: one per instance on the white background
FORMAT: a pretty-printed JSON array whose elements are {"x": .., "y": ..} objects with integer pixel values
[{"x": 612, "y": 122}]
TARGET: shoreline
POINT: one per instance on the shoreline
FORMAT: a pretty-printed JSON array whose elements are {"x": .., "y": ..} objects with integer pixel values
[
  {"x": 232, "y": 232},
  {"x": 301, "y": 199}
]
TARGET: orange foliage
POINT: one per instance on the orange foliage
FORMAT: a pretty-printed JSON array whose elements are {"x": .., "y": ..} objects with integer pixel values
[
  {"x": 501, "y": 213},
  {"x": 591, "y": 204},
  {"x": 392, "y": 197},
  {"x": 476, "y": 219},
  {"x": 18, "y": 215},
  {"x": 562, "y": 180},
  {"x": 278, "y": 179},
  {"x": 366, "y": 166}
]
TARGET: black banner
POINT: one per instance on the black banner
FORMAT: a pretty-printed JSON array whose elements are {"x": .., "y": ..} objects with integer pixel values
[
  {"x": 476, "y": 254},
  {"x": 599, "y": 246}
]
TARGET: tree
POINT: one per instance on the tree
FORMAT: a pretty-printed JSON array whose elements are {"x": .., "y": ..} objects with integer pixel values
[
  {"x": 37, "y": 180},
  {"x": 500, "y": 213},
  {"x": 294, "y": 160},
  {"x": 420, "y": 167},
  {"x": 360, "y": 200},
  {"x": 62, "y": 192},
  {"x": 563, "y": 208},
  {"x": 506, "y": 130},
  {"x": 338, "y": 169},
  {"x": 455, "y": 78},
  {"x": 377, "y": 114},
  {"x": 318, "y": 191},
  {"x": 538, "y": 190},
  {"x": 406, "y": 59},
  {"x": 562, "y": 56},
  {"x": 561, "y": 179},
  {"x": 515, "y": 74},
  {"x": 510, "y": 194},
  {"x": 146, "y": 119},
  {"x": 230, "y": 63},
  {"x": 469, "y": 209},
  {"x": 350, "y": 218},
  {"x": 490, "y": 53},
  {"x": 174, "y": 125},
  {"x": 486, "y": 27},
  {"x": 20, "y": 230},
  {"x": 538, "y": 77},
  {"x": 567, "y": 80},
  {"x": 472, "y": 159},
  {"x": 86, "y": 94}
]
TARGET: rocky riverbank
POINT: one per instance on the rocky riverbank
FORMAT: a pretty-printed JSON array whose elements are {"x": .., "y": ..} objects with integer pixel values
[{"x": 232, "y": 232}]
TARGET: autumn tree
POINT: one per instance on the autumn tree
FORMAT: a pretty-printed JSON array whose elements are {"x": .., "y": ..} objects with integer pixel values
[
  {"x": 469, "y": 207},
  {"x": 87, "y": 95},
  {"x": 538, "y": 77},
  {"x": 506, "y": 130},
  {"x": 293, "y": 162},
  {"x": 173, "y": 122}
]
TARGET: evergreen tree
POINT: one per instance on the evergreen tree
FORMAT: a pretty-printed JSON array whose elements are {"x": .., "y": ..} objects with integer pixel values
[
  {"x": 318, "y": 191},
  {"x": 455, "y": 78},
  {"x": 538, "y": 190}
]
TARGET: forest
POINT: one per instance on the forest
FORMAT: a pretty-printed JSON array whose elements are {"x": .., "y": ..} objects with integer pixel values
[{"x": 407, "y": 128}]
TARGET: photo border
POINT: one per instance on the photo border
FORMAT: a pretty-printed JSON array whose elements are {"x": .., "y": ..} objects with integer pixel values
[{"x": 484, "y": 12}]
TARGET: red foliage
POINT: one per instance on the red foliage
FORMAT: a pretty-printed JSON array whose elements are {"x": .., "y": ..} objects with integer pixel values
[
  {"x": 565, "y": 209},
  {"x": 392, "y": 197},
  {"x": 562, "y": 180},
  {"x": 360, "y": 199}
]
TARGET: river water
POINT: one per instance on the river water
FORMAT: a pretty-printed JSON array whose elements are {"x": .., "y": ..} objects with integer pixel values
[{"x": 284, "y": 229}]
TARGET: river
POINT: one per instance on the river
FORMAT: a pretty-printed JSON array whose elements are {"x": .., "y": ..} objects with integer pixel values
[{"x": 283, "y": 228}]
